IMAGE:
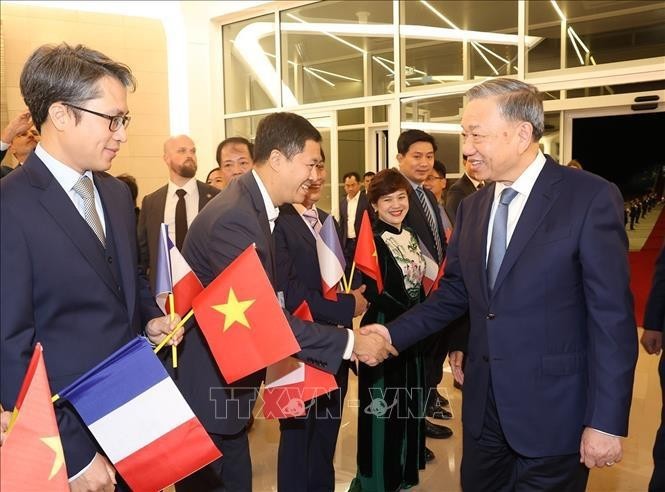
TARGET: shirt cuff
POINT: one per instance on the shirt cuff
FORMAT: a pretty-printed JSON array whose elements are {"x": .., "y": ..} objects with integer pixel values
[
  {"x": 3, "y": 145},
  {"x": 606, "y": 433},
  {"x": 348, "y": 351},
  {"x": 85, "y": 469}
]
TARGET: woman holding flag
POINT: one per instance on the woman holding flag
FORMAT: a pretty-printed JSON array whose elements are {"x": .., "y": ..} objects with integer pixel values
[{"x": 391, "y": 424}]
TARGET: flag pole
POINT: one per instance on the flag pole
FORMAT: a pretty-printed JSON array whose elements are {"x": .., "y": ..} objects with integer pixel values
[
  {"x": 174, "y": 349},
  {"x": 173, "y": 332},
  {"x": 348, "y": 284}
]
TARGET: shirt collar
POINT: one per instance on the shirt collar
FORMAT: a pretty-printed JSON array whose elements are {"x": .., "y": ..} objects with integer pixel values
[
  {"x": 414, "y": 185},
  {"x": 190, "y": 187},
  {"x": 524, "y": 184},
  {"x": 475, "y": 182},
  {"x": 271, "y": 210},
  {"x": 300, "y": 208},
  {"x": 64, "y": 175}
]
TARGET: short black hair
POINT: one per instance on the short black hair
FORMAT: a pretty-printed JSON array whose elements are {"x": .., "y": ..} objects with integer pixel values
[
  {"x": 386, "y": 182},
  {"x": 369, "y": 173},
  {"x": 351, "y": 174},
  {"x": 212, "y": 171},
  {"x": 233, "y": 141},
  {"x": 409, "y": 137},
  {"x": 285, "y": 132},
  {"x": 440, "y": 168}
]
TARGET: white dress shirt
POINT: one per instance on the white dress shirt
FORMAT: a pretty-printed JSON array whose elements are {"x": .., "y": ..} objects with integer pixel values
[
  {"x": 191, "y": 204},
  {"x": 351, "y": 208}
]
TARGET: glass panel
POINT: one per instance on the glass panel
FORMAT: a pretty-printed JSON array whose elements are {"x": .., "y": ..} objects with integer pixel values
[
  {"x": 616, "y": 89},
  {"x": 243, "y": 127},
  {"x": 550, "y": 141},
  {"x": 328, "y": 47},
  {"x": 597, "y": 32},
  {"x": 431, "y": 33},
  {"x": 249, "y": 61},
  {"x": 351, "y": 152},
  {"x": 380, "y": 114},
  {"x": 355, "y": 116}
]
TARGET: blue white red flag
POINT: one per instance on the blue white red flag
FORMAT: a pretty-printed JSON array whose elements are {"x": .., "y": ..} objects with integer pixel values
[
  {"x": 140, "y": 419},
  {"x": 331, "y": 258}
]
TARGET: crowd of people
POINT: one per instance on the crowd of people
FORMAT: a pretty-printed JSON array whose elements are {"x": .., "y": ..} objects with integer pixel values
[{"x": 546, "y": 367}]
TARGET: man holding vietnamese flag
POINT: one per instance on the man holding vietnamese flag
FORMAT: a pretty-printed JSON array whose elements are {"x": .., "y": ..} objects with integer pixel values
[
  {"x": 307, "y": 444},
  {"x": 287, "y": 150}
]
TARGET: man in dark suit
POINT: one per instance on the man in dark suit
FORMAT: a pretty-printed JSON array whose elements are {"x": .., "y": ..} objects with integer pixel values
[
  {"x": 69, "y": 264},
  {"x": 351, "y": 209},
  {"x": 287, "y": 150},
  {"x": 652, "y": 341},
  {"x": 462, "y": 188},
  {"x": 416, "y": 150},
  {"x": 234, "y": 157},
  {"x": 21, "y": 137},
  {"x": 307, "y": 444},
  {"x": 552, "y": 347},
  {"x": 175, "y": 203}
]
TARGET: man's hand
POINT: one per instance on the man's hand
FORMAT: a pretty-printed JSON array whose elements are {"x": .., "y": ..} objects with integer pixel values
[
  {"x": 5, "y": 418},
  {"x": 652, "y": 341},
  {"x": 361, "y": 302},
  {"x": 158, "y": 328},
  {"x": 100, "y": 476},
  {"x": 372, "y": 345},
  {"x": 456, "y": 358},
  {"x": 598, "y": 449},
  {"x": 18, "y": 125}
]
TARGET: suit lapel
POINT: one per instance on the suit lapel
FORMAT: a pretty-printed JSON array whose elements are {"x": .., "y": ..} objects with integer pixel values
[
  {"x": 204, "y": 195},
  {"x": 298, "y": 225},
  {"x": 479, "y": 242},
  {"x": 249, "y": 182},
  {"x": 540, "y": 200}
]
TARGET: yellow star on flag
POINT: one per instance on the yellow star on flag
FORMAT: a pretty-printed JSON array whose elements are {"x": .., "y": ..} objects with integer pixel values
[
  {"x": 56, "y": 445},
  {"x": 234, "y": 310}
]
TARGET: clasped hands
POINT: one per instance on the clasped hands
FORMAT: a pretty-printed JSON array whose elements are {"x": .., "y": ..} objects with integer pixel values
[{"x": 372, "y": 345}]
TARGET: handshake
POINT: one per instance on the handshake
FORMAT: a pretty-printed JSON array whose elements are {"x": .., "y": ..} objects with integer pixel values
[{"x": 372, "y": 345}]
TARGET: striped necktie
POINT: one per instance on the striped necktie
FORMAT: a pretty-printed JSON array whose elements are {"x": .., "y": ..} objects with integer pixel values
[
  {"x": 83, "y": 188},
  {"x": 430, "y": 221},
  {"x": 312, "y": 218}
]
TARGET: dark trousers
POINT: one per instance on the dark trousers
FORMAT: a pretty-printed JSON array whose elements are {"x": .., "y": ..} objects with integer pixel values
[
  {"x": 307, "y": 446},
  {"x": 230, "y": 473},
  {"x": 489, "y": 463},
  {"x": 435, "y": 350},
  {"x": 657, "y": 482}
]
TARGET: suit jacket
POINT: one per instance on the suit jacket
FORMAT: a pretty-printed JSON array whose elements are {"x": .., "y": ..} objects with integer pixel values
[
  {"x": 363, "y": 205},
  {"x": 299, "y": 273},
  {"x": 150, "y": 218},
  {"x": 462, "y": 188},
  {"x": 654, "y": 315},
  {"x": 221, "y": 231},
  {"x": 417, "y": 221},
  {"x": 556, "y": 338},
  {"x": 62, "y": 289}
]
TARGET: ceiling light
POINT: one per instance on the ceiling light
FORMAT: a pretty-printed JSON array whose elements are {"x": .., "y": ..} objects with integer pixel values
[
  {"x": 558, "y": 10},
  {"x": 314, "y": 74},
  {"x": 336, "y": 38}
]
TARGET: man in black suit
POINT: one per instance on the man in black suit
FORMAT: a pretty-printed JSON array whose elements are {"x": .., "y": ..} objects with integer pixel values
[
  {"x": 69, "y": 275},
  {"x": 351, "y": 209},
  {"x": 652, "y": 341},
  {"x": 21, "y": 137},
  {"x": 234, "y": 157},
  {"x": 416, "y": 150},
  {"x": 176, "y": 203},
  {"x": 307, "y": 444},
  {"x": 287, "y": 150},
  {"x": 462, "y": 188}
]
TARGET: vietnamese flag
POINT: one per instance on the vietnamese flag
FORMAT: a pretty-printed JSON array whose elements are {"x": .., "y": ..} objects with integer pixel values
[
  {"x": 241, "y": 319},
  {"x": 32, "y": 457},
  {"x": 365, "y": 257}
]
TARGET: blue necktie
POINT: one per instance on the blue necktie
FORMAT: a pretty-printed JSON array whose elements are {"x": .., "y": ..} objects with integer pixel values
[{"x": 499, "y": 236}]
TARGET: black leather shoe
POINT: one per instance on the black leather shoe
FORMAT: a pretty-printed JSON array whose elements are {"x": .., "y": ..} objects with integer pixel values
[
  {"x": 437, "y": 412},
  {"x": 437, "y": 431},
  {"x": 429, "y": 455}
]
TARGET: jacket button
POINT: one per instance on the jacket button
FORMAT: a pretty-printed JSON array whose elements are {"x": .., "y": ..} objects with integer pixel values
[
  {"x": 485, "y": 358},
  {"x": 491, "y": 316}
]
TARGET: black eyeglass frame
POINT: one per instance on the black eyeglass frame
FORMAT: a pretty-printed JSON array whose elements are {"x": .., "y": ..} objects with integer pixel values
[{"x": 114, "y": 121}]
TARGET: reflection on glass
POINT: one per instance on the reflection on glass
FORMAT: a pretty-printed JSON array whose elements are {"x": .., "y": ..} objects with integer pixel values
[{"x": 351, "y": 151}]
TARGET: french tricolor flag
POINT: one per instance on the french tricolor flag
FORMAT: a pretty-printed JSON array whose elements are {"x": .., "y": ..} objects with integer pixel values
[
  {"x": 433, "y": 271},
  {"x": 174, "y": 275},
  {"x": 331, "y": 258},
  {"x": 140, "y": 419}
]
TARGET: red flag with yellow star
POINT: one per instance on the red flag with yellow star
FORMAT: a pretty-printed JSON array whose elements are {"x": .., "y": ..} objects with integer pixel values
[
  {"x": 241, "y": 318},
  {"x": 365, "y": 257},
  {"x": 31, "y": 457}
]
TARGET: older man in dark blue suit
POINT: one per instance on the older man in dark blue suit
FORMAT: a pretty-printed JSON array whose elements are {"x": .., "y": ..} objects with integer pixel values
[
  {"x": 544, "y": 274},
  {"x": 69, "y": 261}
]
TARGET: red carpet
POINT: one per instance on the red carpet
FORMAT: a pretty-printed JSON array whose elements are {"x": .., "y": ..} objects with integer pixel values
[{"x": 641, "y": 266}]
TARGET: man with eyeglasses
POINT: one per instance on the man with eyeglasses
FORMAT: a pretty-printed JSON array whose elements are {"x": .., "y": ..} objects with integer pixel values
[
  {"x": 69, "y": 274},
  {"x": 175, "y": 204}
]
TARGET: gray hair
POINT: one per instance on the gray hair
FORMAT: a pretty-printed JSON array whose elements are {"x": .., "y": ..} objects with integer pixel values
[
  {"x": 518, "y": 101},
  {"x": 67, "y": 74}
]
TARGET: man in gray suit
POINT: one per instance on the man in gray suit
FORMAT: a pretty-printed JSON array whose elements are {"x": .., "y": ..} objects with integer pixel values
[
  {"x": 176, "y": 203},
  {"x": 287, "y": 152}
]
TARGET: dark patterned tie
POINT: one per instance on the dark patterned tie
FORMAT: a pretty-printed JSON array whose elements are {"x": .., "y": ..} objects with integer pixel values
[
  {"x": 430, "y": 221},
  {"x": 499, "y": 236},
  {"x": 480, "y": 185},
  {"x": 84, "y": 189},
  {"x": 180, "y": 219}
]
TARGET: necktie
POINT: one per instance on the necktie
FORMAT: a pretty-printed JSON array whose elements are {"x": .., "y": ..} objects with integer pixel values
[
  {"x": 312, "y": 219},
  {"x": 499, "y": 236},
  {"x": 480, "y": 185},
  {"x": 180, "y": 219},
  {"x": 430, "y": 221},
  {"x": 84, "y": 189}
]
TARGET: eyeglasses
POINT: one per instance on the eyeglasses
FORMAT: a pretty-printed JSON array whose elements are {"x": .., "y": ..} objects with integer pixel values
[
  {"x": 432, "y": 178},
  {"x": 115, "y": 122}
]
